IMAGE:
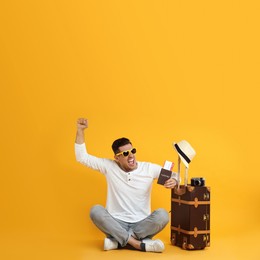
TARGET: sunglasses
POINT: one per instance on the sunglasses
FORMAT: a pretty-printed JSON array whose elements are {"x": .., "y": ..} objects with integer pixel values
[{"x": 126, "y": 153}]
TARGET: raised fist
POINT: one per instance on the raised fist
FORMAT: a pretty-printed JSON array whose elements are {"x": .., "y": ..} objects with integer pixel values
[{"x": 82, "y": 123}]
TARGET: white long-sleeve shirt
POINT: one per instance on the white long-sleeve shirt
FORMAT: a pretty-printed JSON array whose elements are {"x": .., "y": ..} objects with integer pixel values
[{"x": 128, "y": 193}]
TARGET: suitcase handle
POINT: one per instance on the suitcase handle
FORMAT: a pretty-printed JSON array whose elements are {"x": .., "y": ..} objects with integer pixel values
[
  {"x": 179, "y": 174},
  {"x": 180, "y": 190}
]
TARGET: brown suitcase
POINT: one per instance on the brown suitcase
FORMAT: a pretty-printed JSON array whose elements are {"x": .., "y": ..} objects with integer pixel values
[{"x": 190, "y": 217}]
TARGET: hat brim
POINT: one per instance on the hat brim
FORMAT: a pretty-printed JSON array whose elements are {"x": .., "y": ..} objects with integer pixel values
[{"x": 182, "y": 158}]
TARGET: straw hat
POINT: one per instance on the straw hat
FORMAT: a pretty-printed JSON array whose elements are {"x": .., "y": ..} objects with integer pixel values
[{"x": 185, "y": 151}]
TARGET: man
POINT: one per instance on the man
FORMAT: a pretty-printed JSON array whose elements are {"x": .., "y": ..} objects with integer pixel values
[{"x": 127, "y": 218}]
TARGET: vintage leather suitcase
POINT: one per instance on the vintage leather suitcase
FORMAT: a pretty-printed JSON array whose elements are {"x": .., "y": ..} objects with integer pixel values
[{"x": 190, "y": 217}]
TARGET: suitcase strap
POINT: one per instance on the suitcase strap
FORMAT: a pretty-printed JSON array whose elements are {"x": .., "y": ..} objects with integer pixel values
[
  {"x": 194, "y": 232},
  {"x": 195, "y": 203}
]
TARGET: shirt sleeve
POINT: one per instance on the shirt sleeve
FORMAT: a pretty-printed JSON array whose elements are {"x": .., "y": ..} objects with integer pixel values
[
  {"x": 175, "y": 176},
  {"x": 90, "y": 161},
  {"x": 155, "y": 168}
]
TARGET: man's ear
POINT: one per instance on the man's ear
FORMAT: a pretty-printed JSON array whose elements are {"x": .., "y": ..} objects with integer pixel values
[{"x": 116, "y": 157}]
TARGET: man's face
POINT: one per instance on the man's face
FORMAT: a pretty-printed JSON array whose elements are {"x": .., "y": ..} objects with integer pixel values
[{"x": 126, "y": 163}]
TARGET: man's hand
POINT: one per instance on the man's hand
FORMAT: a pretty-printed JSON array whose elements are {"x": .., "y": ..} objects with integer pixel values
[
  {"x": 82, "y": 123},
  {"x": 170, "y": 184}
]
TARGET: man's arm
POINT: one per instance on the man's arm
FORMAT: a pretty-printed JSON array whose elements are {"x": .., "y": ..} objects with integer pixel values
[
  {"x": 81, "y": 153},
  {"x": 82, "y": 124}
]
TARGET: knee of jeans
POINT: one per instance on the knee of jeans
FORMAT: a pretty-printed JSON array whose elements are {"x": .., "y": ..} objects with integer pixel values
[
  {"x": 95, "y": 211},
  {"x": 163, "y": 215}
]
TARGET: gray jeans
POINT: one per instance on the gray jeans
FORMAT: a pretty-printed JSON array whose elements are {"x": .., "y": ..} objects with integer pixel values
[{"x": 121, "y": 230}]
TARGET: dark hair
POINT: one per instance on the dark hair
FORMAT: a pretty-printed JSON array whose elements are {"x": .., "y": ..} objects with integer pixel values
[{"x": 119, "y": 142}]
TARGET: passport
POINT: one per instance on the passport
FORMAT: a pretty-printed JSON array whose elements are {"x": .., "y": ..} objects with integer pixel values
[{"x": 164, "y": 176}]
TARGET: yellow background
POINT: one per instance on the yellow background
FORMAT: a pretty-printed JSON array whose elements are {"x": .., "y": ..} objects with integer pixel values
[{"x": 153, "y": 71}]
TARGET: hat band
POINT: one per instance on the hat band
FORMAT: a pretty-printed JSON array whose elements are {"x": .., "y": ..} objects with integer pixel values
[{"x": 182, "y": 153}]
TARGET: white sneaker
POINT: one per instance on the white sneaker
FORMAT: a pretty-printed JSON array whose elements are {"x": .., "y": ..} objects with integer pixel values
[
  {"x": 153, "y": 245},
  {"x": 110, "y": 244}
]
